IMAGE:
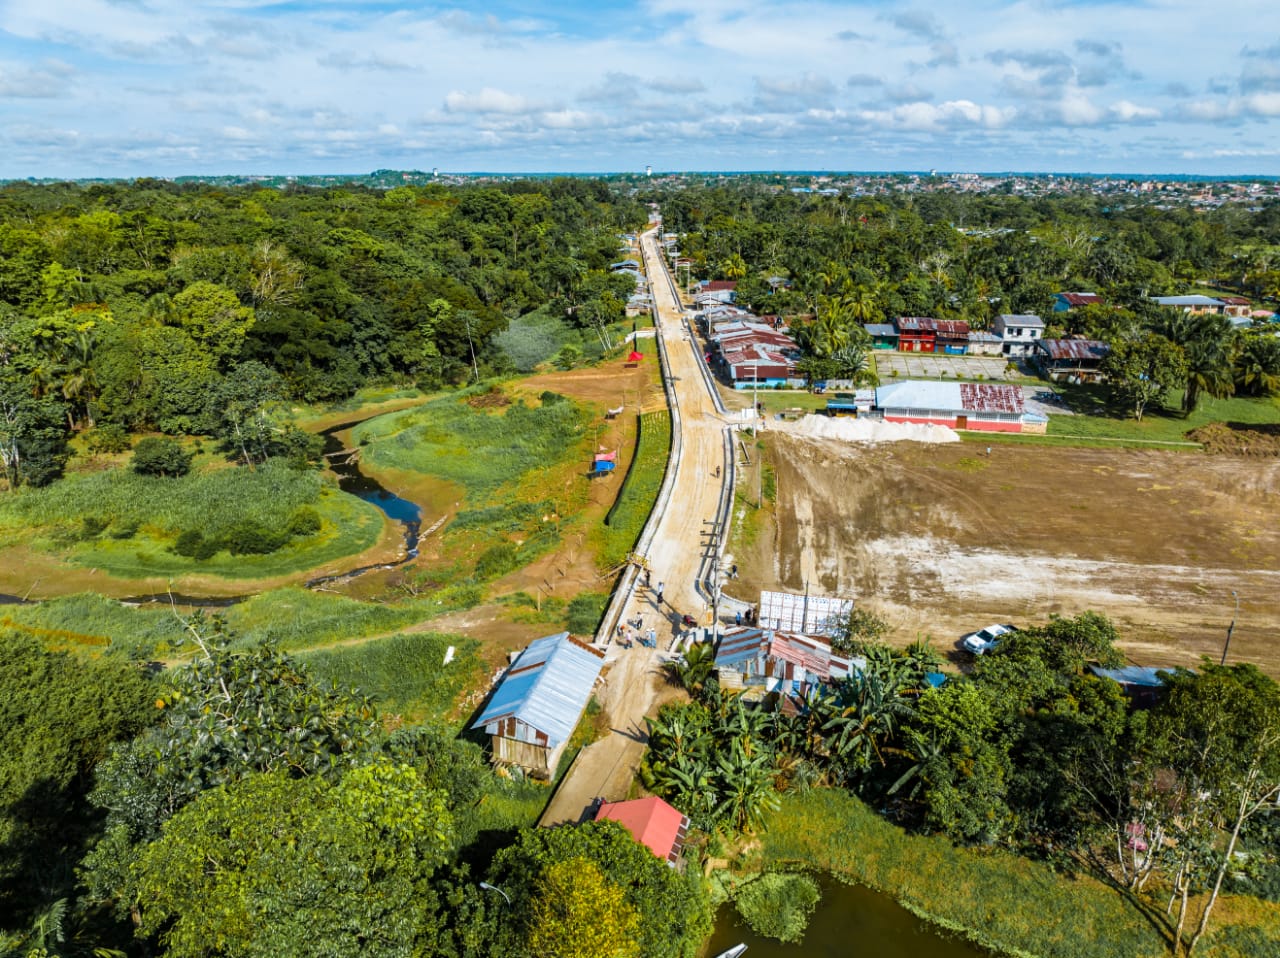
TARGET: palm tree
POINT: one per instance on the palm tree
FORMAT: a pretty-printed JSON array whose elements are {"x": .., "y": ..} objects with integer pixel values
[
  {"x": 694, "y": 668},
  {"x": 1257, "y": 369},
  {"x": 1207, "y": 342},
  {"x": 735, "y": 267}
]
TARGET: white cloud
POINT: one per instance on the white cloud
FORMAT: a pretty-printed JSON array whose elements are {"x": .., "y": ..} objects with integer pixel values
[
  {"x": 1128, "y": 111},
  {"x": 1076, "y": 109},
  {"x": 489, "y": 100},
  {"x": 1263, "y": 104}
]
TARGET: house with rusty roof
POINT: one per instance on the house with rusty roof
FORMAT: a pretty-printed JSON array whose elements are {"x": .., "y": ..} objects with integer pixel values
[
  {"x": 986, "y": 407},
  {"x": 916, "y": 334},
  {"x": 765, "y": 661},
  {"x": 1065, "y": 302},
  {"x": 657, "y": 825},
  {"x": 532, "y": 713},
  {"x": 1075, "y": 360}
]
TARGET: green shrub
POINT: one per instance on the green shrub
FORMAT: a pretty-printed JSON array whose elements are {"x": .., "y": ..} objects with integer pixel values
[
  {"x": 92, "y": 526},
  {"x": 778, "y": 905},
  {"x": 160, "y": 456},
  {"x": 585, "y": 611},
  {"x": 189, "y": 543},
  {"x": 250, "y": 538},
  {"x": 497, "y": 561},
  {"x": 125, "y": 530},
  {"x": 304, "y": 522},
  {"x": 106, "y": 437},
  {"x": 206, "y": 549}
]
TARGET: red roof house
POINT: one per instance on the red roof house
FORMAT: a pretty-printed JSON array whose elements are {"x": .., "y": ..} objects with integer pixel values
[{"x": 652, "y": 822}]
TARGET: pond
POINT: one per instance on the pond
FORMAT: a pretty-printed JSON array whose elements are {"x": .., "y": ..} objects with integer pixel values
[{"x": 851, "y": 921}]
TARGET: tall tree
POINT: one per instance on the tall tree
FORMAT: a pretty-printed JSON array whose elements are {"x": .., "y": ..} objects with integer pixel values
[{"x": 1143, "y": 369}]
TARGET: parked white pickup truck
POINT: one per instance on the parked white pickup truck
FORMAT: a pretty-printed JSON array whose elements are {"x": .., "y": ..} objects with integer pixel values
[{"x": 984, "y": 640}]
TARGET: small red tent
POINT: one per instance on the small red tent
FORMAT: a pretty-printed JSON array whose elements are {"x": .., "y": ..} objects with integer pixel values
[{"x": 635, "y": 357}]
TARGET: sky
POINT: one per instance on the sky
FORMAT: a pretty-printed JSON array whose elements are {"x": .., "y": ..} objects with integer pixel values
[{"x": 108, "y": 88}]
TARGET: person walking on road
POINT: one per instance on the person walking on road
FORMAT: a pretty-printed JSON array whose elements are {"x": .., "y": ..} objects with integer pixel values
[
  {"x": 737, "y": 618},
  {"x": 660, "y": 587}
]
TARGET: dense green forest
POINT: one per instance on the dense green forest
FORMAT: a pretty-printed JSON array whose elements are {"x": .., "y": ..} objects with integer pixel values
[{"x": 191, "y": 309}]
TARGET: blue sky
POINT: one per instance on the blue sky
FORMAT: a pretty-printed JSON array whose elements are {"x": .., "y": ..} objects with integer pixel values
[{"x": 158, "y": 87}]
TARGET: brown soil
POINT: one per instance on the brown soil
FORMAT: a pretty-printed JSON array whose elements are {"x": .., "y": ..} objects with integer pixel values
[
  {"x": 1237, "y": 439},
  {"x": 570, "y": 569},
  {"x": 942, "y": 541}
]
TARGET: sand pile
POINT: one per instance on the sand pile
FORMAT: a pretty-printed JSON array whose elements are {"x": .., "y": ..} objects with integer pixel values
[{"x": 863, "y": 430}]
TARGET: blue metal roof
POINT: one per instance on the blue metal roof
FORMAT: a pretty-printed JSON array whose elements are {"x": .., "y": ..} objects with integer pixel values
[{"x": 547, "y": 687}]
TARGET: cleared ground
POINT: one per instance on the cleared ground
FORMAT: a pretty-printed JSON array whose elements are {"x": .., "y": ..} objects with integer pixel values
[{"x": 945, "y": 539}]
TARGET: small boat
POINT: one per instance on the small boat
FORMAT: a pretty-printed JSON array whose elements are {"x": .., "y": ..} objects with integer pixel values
[{"x": 733, "y": 952}]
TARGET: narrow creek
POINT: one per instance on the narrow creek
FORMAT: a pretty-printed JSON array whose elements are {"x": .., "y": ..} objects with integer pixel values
[{"x": 850, "y": 921}]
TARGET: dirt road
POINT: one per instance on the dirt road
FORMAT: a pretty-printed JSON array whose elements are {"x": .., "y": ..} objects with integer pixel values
[{"x": 635, "y": 684}]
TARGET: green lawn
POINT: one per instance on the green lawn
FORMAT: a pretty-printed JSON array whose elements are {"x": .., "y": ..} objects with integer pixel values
[
  {"x": 293, "y": 618},
  {"x": 1098, "y": 418},
  {"x": 298, "y": 619}
]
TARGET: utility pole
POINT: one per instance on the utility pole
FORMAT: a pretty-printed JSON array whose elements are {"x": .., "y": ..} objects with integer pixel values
[
  {"x": 1231, "y": 628},
  {"x": 466, "y": 321}
]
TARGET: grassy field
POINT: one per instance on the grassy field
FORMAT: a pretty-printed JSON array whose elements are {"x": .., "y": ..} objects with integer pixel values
[
  {"x": 481, "y": 446},
  {"x": 615, "y": 540},
  {"x": 293, "y": 618},
  {"x": 1098, "y": 418},
  {"x": 126, "y": 524},
  {"x": 299, "y": 619},
  {"x": 405, "y": 674},
  {"x": 996, "y": 899}
]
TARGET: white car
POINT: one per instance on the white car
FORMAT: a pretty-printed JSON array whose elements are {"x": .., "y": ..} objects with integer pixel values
[{"x": 984, "y": 640}]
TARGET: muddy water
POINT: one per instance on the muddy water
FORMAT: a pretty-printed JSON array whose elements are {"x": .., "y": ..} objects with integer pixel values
[{"x": 850, "y": 922}]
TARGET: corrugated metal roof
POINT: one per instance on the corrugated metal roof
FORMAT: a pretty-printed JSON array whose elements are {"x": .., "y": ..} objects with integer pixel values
[
  {"x": 880, "y": 329},
  {"x": 987, "y": 397},
  {"x": 1192, "y": 300},
  {"x": 978, "y": 336},
  {"x": 1080, "y": 299},
  {"x": 1131, "y": 675},
  {"x": 745, "y": 646},
  {"x": 1021, "y": 319},
  {"x": 952, "y": 328},
  {"x": 916, "y": 324},
  {"x": 547, "y": 687},
  {"x": 1074, "y": 348},
  {"x": 950, "y": 397}
]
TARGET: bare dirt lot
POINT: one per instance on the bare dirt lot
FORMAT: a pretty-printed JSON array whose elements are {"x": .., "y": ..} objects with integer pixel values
[{"x": 943, "y": 539}]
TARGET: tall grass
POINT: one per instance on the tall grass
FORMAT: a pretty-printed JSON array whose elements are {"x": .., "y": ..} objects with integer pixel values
[
  {"x": 482, "y": 450},
  {"x": 138, "y": 632},
  {"x": 293, "y": 618},
  {"x": 210, "y": 500},
  {"x": 299, "y": 619},
  {"x": 998, "y": 900},
  {"x": 405, "y": 674},
  {"x": 617, "y": 538},
  {"x": 136, "y": 520}
]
